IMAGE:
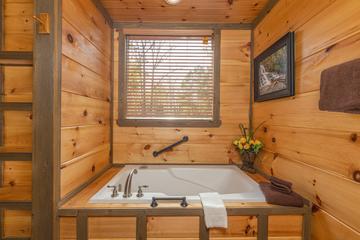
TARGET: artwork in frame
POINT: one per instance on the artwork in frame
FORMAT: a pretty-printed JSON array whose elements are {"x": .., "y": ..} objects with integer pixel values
[{"x": 274, "y": 70}]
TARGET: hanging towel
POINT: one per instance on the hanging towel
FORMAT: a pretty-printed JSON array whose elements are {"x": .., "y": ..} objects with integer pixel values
[
  {"x": 214, "y": 210},
  {"x": 278, "y": 198},
  {"x": 340, "y": 88}
]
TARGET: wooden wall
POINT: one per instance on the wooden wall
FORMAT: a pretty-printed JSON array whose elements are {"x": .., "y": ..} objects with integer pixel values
[
  {"x": 85, "y": 103},
  {"x": 16, "y": 86},
  {"x": 318, "y": 151},
  {"x": 206, "y": 145}
]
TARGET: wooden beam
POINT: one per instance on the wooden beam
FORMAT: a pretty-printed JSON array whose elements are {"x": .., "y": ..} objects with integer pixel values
[
  {"x": 1, "y": 219},
  {"x": 46, "y": 124},
  {"x": 104, "y": 12},
  {"x": 203, "y": 231},
  {"x": 16, "y": 238},
  {"x": 141, "y": 227},
  {"x": 15, "y": 106},
  {"x": 15, "y": 156},
  {"x": 251, "y": 100},
  {"x": 112, "y": 60},
  {"x": 15, "y": 55},
  {"x": 264, "y": 12},
  {"x": 16, "y": 205},
  {"x": 2, "y": 124},
  {"x": 171, "y": 212},
  {"x": 262, "y": 227},
  {"x": 82, "y": 226},
  {"x": 188, "y": 26},
  {"x": 306, "y": 223}
]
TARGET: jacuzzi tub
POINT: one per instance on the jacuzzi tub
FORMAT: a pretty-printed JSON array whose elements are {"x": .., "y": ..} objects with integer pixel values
[{"x": 183, "y": 181}]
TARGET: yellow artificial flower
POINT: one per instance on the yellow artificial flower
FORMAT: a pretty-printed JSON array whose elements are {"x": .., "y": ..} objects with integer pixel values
[
  {"x": 252, "y": 142},
  {"x": 242, "y": 140},
  {"x": 257, "y": 142},
  {"x": 247, "y": 146},
  {"x": 236, "y": 142},
  {"x": 240, "y": 146}
]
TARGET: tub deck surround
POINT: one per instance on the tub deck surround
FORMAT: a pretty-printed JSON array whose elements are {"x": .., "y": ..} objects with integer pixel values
[
  {"x": 182, "y": 181},
  {"x": 80, "y": 208}
]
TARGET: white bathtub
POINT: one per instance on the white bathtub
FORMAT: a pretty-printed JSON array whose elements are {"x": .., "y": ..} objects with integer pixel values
[{"x": 183, "y": 181}]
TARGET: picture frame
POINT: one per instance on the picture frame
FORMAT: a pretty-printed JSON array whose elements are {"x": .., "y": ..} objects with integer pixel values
[{"x": 274, "y": 73}]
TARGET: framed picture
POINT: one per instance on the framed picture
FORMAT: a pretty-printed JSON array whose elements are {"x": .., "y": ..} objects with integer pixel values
[{"x": 274, "y": 70}]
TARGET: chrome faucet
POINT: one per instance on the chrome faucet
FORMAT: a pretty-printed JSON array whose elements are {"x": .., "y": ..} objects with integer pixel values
[{"x": 127, "y": 190}]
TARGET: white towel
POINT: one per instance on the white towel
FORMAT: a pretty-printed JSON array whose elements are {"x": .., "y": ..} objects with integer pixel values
[{"x": 214, "y": 210}]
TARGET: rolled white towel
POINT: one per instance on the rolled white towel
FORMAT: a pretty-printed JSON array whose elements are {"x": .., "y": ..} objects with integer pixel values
[{"x": 214, "y": 210}]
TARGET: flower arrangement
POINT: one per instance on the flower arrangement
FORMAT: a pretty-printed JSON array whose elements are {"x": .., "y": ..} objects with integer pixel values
[{"x": 249, "y": 147}]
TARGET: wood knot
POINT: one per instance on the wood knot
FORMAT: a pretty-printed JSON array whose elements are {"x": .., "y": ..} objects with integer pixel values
[
  {"x": 85, "y": 113},
  {"x": 315, "y": 208},
  {"x": 93, "y": 168},
  {"x": 70, "y": 38},
  {"x": 356, "y": 176},
  {"x": 318, "y": 200},
  {"x": 353, "y": 137},
  {"x": 247, "y": 229},
  {"x": 211, "y": 135},
  {"x": 265, "y": 129},
  {"x": 273, "y": 140},
  {"x": 314, "y": 182},
  {"x": 12, "y": 183},
  {"x": 147, "y": 147}
]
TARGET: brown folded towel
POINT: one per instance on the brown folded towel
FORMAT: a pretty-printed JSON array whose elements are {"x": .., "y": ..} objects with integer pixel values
[
  {"x": 280, "y": 185},
  {"x": 275, "y": 197},
  {"x": 340, "y": 88}
]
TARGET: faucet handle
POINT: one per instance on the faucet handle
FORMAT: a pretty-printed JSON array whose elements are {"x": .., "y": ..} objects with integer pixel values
[
  {"x": 114, "y": 191},
  {"x": 140, "y": 191}
]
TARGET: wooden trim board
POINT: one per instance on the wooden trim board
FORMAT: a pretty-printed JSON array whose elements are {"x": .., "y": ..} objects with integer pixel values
[
  {"x": 46, "y": 126},
  {"x": 228, "y": 26}
]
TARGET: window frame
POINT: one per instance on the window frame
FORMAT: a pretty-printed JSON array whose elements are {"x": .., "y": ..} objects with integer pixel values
[{"x": 123, "y": 122}]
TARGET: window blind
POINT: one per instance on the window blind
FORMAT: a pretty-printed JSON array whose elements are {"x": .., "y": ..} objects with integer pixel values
[{"x": 169, "y": 77}]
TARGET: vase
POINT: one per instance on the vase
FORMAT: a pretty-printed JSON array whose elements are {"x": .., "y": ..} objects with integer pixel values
[{"x": 248, "y": 160}]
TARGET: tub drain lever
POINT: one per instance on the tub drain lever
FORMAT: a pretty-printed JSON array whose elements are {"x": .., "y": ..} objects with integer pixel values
[{"x": 182, "y": 200}]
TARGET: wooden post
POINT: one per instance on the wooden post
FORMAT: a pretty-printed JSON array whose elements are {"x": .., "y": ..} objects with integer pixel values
[
  {"x": 203, "y": 231},
  {"x": 82, "y": 226},
  {"x": 141, "y": 227},
  {"x": 46, "y": 123},
  {"x": 262, "y": 227},
  {"x": 306, "y": 223}
]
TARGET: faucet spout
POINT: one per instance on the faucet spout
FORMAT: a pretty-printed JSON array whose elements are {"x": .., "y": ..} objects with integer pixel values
[{"x": 127, "y": 190}]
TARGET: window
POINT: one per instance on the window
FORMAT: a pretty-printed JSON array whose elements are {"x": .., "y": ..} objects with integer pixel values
[{"x": 169, "y": 80}]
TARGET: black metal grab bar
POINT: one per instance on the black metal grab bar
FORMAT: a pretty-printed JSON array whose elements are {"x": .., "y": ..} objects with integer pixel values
[
  {"x": 154, "y": 202},
  {"x": 169, "y": 148}
]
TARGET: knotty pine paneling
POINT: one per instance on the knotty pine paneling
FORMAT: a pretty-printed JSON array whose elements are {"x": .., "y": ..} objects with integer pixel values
[
  {"x": 18, "y": 25},
  {"x": 216, "y": 11},
  {"x": 17, "y": 125},
  {"x": 17, "y": 223},
  {"x": 17, "y": 131},
  {"x": 314, "y": 149},
  {"x": 206, "y": 145},
  {"x": 85, "y": 98},
  {"x": 17, "y": 84},
  {"x": 16, "y": 182}
]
